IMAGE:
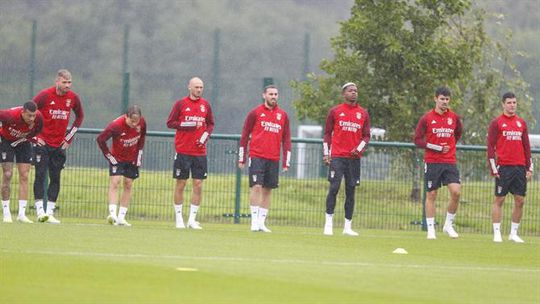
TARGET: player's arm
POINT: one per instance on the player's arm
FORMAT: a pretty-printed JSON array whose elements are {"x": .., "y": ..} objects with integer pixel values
[
  {"x": 366, "y": 136},
  {"x": 420, "y": 137},
  {"x": 5, "y": 116},
  {"x": 79, "y": 117},
  {"x": 286, "y": 142},
  {"x": 327, "y": 137},
  {"x": 249, "y": 123},
  {"x": 209, "y": 128},
  {"x": 527, "y": 149},
  {"x": 140, "y": 144},
  {"x": 493, "y": 132},
  {"x": 459, "y": 129},
  {"x": 102, "y": 139}
]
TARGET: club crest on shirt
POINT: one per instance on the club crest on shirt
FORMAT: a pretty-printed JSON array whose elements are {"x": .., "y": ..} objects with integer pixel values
[
  {"x": 68, "y": 102},
  {"x": 278, "y": 116},
  {"x": 358, "y": 115},
  {"x": 450, "y": 121},
  {"x": 203, "y": 109},
  {"x": 518, "y": 124},
  {"x": 138, "y": 128}
]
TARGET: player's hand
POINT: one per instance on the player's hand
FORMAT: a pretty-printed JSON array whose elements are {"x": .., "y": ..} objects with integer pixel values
[
  {"x": 139, "y": 159},
  {"x": 285, "y": 169},
  {"x": 241, "y": 166},
  {"x": 40, "y": 142},
  {"x": 326, "y": 159},
  {"x": 445, "y": 149},
  {"x": 65, "y": 145},
  {"x": 528, "y": 175},
  {"x": 111, "y": 159}
]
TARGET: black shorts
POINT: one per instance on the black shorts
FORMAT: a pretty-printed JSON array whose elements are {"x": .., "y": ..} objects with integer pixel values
[
  {"x": 125, "y": 169},
  {"x": 50, "y": 157},
  {"x": 438, "y": 175},
  {"x": 512, "y": 179},
  {"x": 184, "y": 164},
  {"x": 345, "y": 167},
  {"x": 263, "y": 172},
  {"x": 21, "y": 154}
]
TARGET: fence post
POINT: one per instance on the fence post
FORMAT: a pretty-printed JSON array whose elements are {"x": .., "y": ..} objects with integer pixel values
[
  {"x": 238, "y": 184},
  {"x": 125, "y": 74},
  {"x": 32, "y": 59}
]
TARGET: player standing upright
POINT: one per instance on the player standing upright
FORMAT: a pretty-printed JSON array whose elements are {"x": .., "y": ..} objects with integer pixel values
[
  {"x": 509, "y": 156},
  {"x": 346, "y": 136},
  {"x": 193, "y": 121},
  {"x": 266, "y": 130},
  {"x": 438, "y": 132},
  {"x": 56, "y": 104},
  {"x": 18, "y": 126},
  {"x": 128, "y": 133}
]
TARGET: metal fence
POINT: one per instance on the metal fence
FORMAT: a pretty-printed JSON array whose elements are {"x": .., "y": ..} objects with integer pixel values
[{"x": 389, "y": 197}]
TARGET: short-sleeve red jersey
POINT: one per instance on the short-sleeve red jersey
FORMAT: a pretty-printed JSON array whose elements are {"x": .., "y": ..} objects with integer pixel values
[
  {"x": 267, "y": 131},
  {"x": 56, "y": 112},
  {"x": 347, "y": 126},
  {"x": 13, "y": 127},
  {"x": 436, "y": 130},
  {"x": 186, "y": 113},
  {"x": 508, "y": 142},
  {"x": 126, "y": 141}
]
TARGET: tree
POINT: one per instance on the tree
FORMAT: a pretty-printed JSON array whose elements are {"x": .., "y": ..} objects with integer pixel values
[{"x": 400, "y": 51}]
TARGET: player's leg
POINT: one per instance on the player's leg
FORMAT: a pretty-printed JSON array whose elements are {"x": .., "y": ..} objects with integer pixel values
[
  {"x": 256, "y": 175},
  {"x": 124, "y": 202},
  {"x": 270, "y": 181},
  {"x": 352, "y": 180},
  {"x": 7, "y": 169},
  {"x": 41, "y": 163},
  {"x": 455, "y": 192},
  {"x": 56, "y": 165},
  {"x": 196, "y": 197},
  {"x": 496, "y": 217},
  {"x": 114, "y": 184},
  {"x": 266, "y": 196},
  {"x": 335, "y": 174},
  {"x": 24, "y": 171},
  {"x": 517, "y": 213},
  {"x": 181, "y": 174}
]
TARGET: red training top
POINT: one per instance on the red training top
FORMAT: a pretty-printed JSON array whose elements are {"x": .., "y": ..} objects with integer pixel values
[
  {"x": 56, "y": 112},
  {"x": 347, "y": 129},
  {"x": 126, "y": 141},
  {"x": 13, "y": 127},
  {"x": 508, "y": 142},
  {"x": 436, "y": 130},
  {"x": 269, "y": 128},
  {"x": 193, "y": 121}
]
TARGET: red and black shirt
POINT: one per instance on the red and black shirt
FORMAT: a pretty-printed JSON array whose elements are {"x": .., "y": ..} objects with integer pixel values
[
  {"x": 508, "y": 142},
  {"x": 436, "y": 130}
]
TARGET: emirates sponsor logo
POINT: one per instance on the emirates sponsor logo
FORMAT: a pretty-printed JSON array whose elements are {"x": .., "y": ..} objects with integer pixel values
[{"x": 271, "y": 126}]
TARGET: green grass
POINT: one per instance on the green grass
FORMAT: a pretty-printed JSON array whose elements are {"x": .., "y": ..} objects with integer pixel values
[{"x": 85, "y": 261}]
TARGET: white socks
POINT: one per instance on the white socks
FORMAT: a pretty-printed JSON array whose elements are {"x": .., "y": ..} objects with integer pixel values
[
  {"x": 430, "y": 221},
  {"x": 262, "y": 215},
  {"x": 514, "y": 228},
  {"x": 22, "y": 208},
  {"x": 178, "y": 216},
  {"x": 5, "y": 208},
  {"x": 112, "y": 209},
  {"x": 192, "y": 213},
  {"x": 39, "y": 208},
  {"x": 50, "y": 207},
  {"x": 449, "y": 219},
  {"x": 122, "y": 213},
  {"x": 254, "y": 217}
]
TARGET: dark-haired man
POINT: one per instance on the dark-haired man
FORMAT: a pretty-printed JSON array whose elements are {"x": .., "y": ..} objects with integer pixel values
[
  {"x": 18, "y": 126},
  {"x": 438, "y": 132},
  {"x": 509, "y": 156}
]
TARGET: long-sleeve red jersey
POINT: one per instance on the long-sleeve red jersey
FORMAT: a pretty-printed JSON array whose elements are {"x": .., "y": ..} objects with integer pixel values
[
  {"x": 126, "y": 141},
  {"x": 13, "y": 127},
  {"x": 56, "y": 112},
  {"x": 508, "y": 143},
  {"x": 347, "y": 129},
  {"x": 194, "y": 123},
  {"x": 267, "y": 131},
  {"x": 436, "y": 130}
]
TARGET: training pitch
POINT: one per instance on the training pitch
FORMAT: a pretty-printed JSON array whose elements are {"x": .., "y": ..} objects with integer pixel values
[{"x": 85, "y": 261}]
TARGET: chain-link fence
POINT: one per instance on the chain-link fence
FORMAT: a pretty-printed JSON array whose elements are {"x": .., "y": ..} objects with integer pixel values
[{"x": 389, "y": 197}]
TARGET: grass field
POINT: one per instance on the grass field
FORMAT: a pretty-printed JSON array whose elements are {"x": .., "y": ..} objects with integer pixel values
[{"x": 87, "y": 261}]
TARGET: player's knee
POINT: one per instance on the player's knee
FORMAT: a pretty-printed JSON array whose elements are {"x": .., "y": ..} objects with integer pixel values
[
  {"x": 334, "y": 188},
  {"x": 7, "y": 175}
]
